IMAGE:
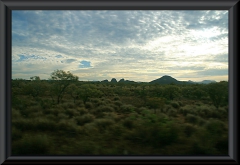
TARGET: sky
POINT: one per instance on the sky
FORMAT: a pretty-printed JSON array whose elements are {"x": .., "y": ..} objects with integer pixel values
[{"x": 137, "y": 45}]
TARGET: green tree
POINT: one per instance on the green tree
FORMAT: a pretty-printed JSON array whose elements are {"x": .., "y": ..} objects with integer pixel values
[
  {"x": 171, "y": 92},
  {"x": 87, "y": 91},
  {"x": 217, "y": 92},
  {"x": 61, "y": 80},
  {"x": 74, "y": 91},
  {"x": 35, "y": 87}
]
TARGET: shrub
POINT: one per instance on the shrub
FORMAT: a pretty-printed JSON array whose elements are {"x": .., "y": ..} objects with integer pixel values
[
  {"x": 45, "y": 103},
  {"x": 215, "y": 127},
  {"x": 172, "y": 113},
  {"x": 86, "y": 118},
  {"x": 116, "y": 131},
  {"x": 155, "y": 134},
  {"x": 43, "y": 124},
  {"x": 175, "y": 104},
  {"x": 192, "y": 119},
  {"x": 68, "y": 105},
  {"x": 118, "y": 103},
  {"x": 67, "y": 125},
  {"x": 103, "y": 124},
  {"x": 88, "y": 105},
  {"x": 36, "y": 114},
  {"x": 23, "y": 124},
  {"x": 189, "y": 129},
  {"x": 116, "y": 98},
  {"x": 126, "y": 108},
  {"x": 16, "y": 134},
  {"x": 128, "y": 123},
  {"x": 104, "y": 108},
  {"x": 82, "y": 111},
  {"x": 16, "y": 114},
  {"x": 71, "y": 112},
  {"x": 62, "y": 116},
  {"x": 53, "y": 111},
  {"x": 32, "y": 145}
]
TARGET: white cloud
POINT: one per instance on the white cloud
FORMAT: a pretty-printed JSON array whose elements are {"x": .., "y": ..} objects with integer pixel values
[{"x": 120, "y": 43}]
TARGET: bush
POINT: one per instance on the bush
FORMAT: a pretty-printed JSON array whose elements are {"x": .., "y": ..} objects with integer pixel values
[
  {"x": 128, "y": 123},
  {"x": 32, "y": 145},
  {"x": 88, "y": 105},
  {"x": 175, "y": 104},
  {"x": 16, "y": 134},
  {"x": 72, "y": 112},
  {"x": 116, "y": 98},
  {"x": 45, "y": 103},
  {"x": 126, "y": 108},
  {"x": 215, "y": 127},
  {"x": 16, "y": 114},
  {"x": 43, "y": 124},
  {"x": 103, "y": 124},
  {"x": 189, "y": 129},
  {"x": 82, "y": 111},
  {"x": 172, "y": 113},
  {"x": 192, "y": 119},
  {"x": 62, "y": 116},
  {"x": 104, "y": 108},
  {"x": 86, "y": 118},
  {"x": 67, "y": 125},
  {"x": 155, "y": 134},
  {"x": 117, "y": 103}
]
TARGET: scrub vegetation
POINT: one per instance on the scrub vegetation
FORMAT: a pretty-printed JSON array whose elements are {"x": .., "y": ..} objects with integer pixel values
[{"x": 64, "y": 116}]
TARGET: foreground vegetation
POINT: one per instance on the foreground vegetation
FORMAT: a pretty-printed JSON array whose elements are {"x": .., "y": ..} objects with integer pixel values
[{"x": 67, "y": 117}]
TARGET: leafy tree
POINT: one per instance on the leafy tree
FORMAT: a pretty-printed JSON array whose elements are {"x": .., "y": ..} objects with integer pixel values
[
  {"x": 155, "y": 102},
  {"x": 171, "y": 91},
  {"x": 87, "y": 91},
  {"x": 74, "y": 91},
  {"x": 61, "y": 80},
  {"x": 35, "y": 88},
  {"x": 35, "y": 78},
  {"x": 217, "y": 92}
]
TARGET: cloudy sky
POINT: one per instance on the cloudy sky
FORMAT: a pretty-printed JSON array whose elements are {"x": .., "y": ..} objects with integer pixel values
[{"x": 140, "y": 45}]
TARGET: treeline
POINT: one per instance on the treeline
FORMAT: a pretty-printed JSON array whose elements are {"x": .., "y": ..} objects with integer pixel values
[{"x": 63, "y": 83}]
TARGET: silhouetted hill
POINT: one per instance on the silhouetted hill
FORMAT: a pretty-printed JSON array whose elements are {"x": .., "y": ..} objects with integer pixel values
[
  {"x": 105, "y": 81},
  {"x": 113, "y": 80},
  {"x": 165, "y": 80},
  {"x": 207, "y": 81}
]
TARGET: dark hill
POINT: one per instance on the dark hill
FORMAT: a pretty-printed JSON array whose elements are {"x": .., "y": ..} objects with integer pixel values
[
  {"x": 165, "y": 80},
  {"x": 113, "y": 80}
]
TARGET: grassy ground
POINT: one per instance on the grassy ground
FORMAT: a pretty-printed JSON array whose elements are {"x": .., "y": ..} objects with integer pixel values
[{"x": 117, "y": 125}]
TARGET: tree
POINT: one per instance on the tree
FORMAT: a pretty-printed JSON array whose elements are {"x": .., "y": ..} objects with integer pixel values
[
  {"x": 74, "y": 91},
  {"x": 217, "y": 92},
  {"x": 35, "y": 87},
  {"x": 171, "y": 91},
  {"x": 61, "y": 80},
  {"x": 87, "y": 90},
  {"x": 37, "y": 78}
]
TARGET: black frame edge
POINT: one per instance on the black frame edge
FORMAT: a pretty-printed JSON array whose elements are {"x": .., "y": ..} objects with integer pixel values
[
  {"x": 5, "y": 88},
  {"x": 3, "y": 51},
  {"x": 233, "y": 75}
]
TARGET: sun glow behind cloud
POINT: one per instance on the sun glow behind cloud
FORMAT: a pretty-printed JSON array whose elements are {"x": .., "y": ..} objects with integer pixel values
[{"x": 134, "y": 45}]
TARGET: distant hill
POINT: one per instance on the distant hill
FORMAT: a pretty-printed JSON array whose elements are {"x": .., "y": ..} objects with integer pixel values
[
  {"x": 113, "y": 80},
  {"x": 206, "y": 82},
  {"x": 170, "y": 80},
  {"x": 202, "y": 82},
  {"x": 165, "y": 80}
]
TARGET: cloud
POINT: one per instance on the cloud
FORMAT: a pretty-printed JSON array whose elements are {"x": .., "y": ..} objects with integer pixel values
[{"x": 114, "y": 42}]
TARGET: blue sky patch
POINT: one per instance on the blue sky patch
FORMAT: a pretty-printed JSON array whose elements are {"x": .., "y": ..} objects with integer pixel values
[{"x": 85, "y": 64}]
